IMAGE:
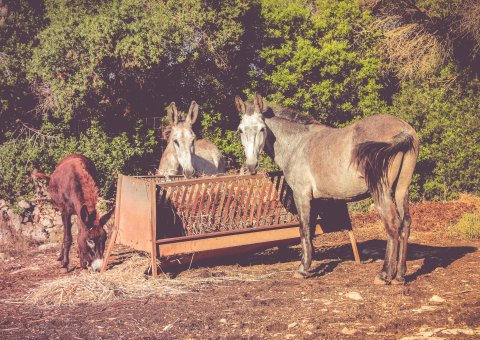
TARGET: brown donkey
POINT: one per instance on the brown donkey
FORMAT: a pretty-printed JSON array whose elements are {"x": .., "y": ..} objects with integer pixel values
[
  {"x": 376, "y": 155},
  {"x": 186, "y": 154},
  {"x": 74, "y": 191}
]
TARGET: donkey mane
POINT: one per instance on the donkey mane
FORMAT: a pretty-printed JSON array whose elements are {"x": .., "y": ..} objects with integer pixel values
[
  {"x": 289, "y": 114},
  {"x": 87, "y": 186}
]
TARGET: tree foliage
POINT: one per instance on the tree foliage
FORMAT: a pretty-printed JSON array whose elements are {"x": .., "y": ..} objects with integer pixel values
[
  {"x": 89, "y": 74},
  {"x": 447, "y": 121},
  {"x": 319, "y": 57}
]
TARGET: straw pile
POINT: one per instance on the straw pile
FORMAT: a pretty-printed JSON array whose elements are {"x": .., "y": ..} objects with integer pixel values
[{"x": 124, "y": 281}]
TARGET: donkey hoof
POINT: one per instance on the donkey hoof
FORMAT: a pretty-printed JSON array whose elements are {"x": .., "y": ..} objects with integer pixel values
[
  {"x": 381, "y": 279},
  {"x": 398, "y": 281},
  {"x": 300, "y": 274}
]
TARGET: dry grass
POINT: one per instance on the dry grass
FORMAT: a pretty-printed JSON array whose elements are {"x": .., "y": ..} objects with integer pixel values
[
  {"x": 124, "y": 281},
  {"x": 45, "y": 96},
  {"x": 411, "y": 50},
  {"x": 469, "y": 198},
  {"x": 470, "y": 22},
  {"x": 468, "y": 227}
]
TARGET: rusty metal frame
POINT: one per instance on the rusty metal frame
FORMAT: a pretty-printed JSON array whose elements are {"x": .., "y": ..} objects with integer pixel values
[{"x": 136, "y": 217}]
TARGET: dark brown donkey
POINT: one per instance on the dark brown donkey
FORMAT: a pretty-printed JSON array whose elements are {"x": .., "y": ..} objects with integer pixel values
[
  {"x": 74, "y": 191},
  {"x": 376, "y": 155}
]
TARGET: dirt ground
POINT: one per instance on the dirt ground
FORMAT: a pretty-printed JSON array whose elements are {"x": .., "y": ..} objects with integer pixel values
[{"x": 440, "y": 300}]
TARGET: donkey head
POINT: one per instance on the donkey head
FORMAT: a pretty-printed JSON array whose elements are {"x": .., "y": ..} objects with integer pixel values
[
  {"x": 183, "y": 137},
  {"x": 92, "y": 237},
  {"x": 252, "y": 130}
]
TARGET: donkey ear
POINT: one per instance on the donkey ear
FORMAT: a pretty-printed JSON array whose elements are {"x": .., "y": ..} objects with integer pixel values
[
  {"x": 192, "y": 113},
  {"x": 104, "y": 219},
  {"x": 85, "y": 216},
  {"x": 172, "y": 113},
  {"x": 241, "y": 108},
  {"x": 258, "y": 102}
]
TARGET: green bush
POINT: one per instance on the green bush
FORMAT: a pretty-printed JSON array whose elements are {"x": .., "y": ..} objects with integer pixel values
[
  {"x": 66, "y": 63},
  {"x": 320, "y": 58},
  {"x": 447, "y": 121},
  {"x": 111, "y": 155}
]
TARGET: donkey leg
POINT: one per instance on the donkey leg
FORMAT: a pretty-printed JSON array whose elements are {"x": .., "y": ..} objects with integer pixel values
[
  {"x": 389, "y": 215},
  {"x": 67, "y": 239},
  {"x": 62, "y": 251},
  {"x": 403, "y": 241},
  {"x": 303, "y": 208},
  {"x": 401, "y": 199}
]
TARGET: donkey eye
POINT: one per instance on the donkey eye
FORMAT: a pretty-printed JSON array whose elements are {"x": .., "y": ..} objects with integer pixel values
[
  {"x": 90, "y": 243},
  {"x": 176, "y": 142},
  {"x": 262, "y": 129},
  {"x": 240, "y": 131}
]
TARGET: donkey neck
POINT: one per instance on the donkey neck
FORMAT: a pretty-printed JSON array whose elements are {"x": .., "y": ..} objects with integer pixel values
[
  {"x": 169, "y": 162},
  {"x": 285, "y": 138}
]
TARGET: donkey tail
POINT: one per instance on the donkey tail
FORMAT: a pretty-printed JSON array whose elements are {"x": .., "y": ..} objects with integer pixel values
[
  {"x": 39, "y": 175},
  {"x": 374, "y": 159}
]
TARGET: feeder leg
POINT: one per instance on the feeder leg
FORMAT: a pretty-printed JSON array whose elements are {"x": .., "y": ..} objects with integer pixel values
[
  {"x": 113, "y": 237},
  {"x": 111, "y": 242},
  {"x": 153, "y": 226},
  {"x": 354, "y": 246}
]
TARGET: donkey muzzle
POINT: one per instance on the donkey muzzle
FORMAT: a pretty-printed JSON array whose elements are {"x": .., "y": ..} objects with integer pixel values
[
  {"x": 188, "y": 173},
  {"x": 96, "y": 265},
  {"x": 252, "y": 168}
]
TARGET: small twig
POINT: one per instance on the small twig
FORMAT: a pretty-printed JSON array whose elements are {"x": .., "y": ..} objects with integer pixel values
[
  {"x": 169, "y": 326},
  {"x": 166, "y": 276},
  {"x": 9, "y": 329},
  {"x": 191, "y": 260},
  {"x": 458, "y": 293}
]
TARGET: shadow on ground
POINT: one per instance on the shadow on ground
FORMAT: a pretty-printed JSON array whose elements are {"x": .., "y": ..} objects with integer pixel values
[{"x": 372, "y": 250}]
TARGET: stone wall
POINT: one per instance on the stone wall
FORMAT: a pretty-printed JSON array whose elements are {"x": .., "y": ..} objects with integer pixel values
[{"x": 36, "y": 222}]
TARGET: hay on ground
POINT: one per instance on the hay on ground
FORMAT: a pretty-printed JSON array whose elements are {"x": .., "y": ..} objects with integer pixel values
[{"x": 124, "y": 281}]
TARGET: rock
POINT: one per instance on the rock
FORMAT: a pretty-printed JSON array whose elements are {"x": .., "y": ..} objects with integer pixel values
[
  {"x": 464, "y": 331},
  {"x": 354, "y": 296},
  {"x": 36, "y": 214},
  {"x": 15, "y": 221},
  {"x": 46, "y": 222},
  {"x": 424, "y": 309},
  {"x": 58, "y": 220},
  {"x": 48, "y": 246},
  {"x": 290, "y": 336},
  {"x": 437, "y": 299},
  {"x": 27, "y": 229},
  {"x": 4, "y": 257},
  {"x": 348, "y": 331},
  {"x": 38, "y": 235},
  {"x": 24, "y": 204},
  {"x": 224, "y": 321},
  {"x": 5, "y": 235},
  {"x": 308, "y": 333},
  {"x": 426, "y": 334},
  {"x": 293, "y": 324}
]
